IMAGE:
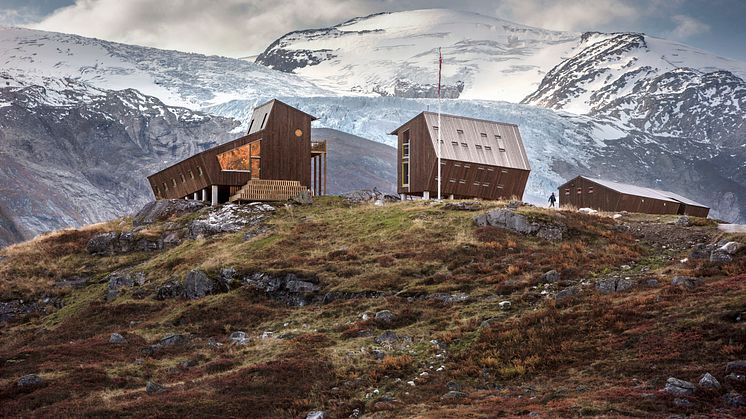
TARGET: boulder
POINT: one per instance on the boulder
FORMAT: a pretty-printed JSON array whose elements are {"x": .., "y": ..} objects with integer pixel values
[
  {"x": 463, "y": 206},
  {"x": 227, "y": 279},
  {"x": 445, "y": 298},
  {"x": 169, "y": 290},
  {"x": 367, "y": 196},
  {"x": 164, "y": 209},
  {"x": 238, "y": 338},
  {"x": 30, "y": 381},
  {"x": 197, "y": 285},
  {"x": 685, "y": 281},
  {"x": 117, "y": 339},
  {"x": 228, "y": 218},
  {"x": 737, "y": 367},
  {"x": 611, "y": 285},
  {"x": 509, "y": 219},
  {"x": 302, "y": 198},
  {"x": 736, "y": 378},
  {"x": 730, "y": 248},
  {"x": 453, "y": 395},
  {"x": 734, "y": 399},
  {"x": 720, "y": 256},
  {"x": 385, "y": 316},
  {"x": 289, "y": 288},
  {"x": 121, "y": 279},
  {"x": 567, "y": 293},
  {"x": 708, "y": 381},
  {"x": 683, "y": 221},
  {"x": 388, "y": 336},
  {"x": 378, "y": 354},
  {"x": 173, "y": 339},
  {"x": 550, "y": 277},
  {"x": 678, "y": 387},
  {"x": 102, "y": 243},
  {"x": 701, "y": 251},
  {"x": 316, "y": 414},
  {"x": 587, "y": 211},
  {"x": 154, "y": 388},
  {"x": 504, "y": 305}
]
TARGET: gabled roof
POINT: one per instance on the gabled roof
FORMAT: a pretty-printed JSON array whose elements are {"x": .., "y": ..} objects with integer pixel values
[
  {"x": 261, "y": 114},
  {"x": 644, "y": 192},
  {"x": 476, "y": 140}
]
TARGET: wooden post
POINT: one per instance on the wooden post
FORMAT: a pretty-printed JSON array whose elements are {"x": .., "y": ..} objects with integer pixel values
[
  {"x": 325, "y": 171},
  {"x": 214, "y": 195},
  {"x": 204, "y": 195}
]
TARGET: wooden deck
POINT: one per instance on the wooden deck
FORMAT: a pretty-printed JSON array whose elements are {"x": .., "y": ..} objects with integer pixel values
[{"x": 268, "y": 190}]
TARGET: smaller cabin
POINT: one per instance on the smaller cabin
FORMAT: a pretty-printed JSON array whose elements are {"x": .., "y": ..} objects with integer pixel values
[
  {"x": 479, "y": 158},
  {"x": 604, "y": 195},
  {"x": 275, "y": 160}
]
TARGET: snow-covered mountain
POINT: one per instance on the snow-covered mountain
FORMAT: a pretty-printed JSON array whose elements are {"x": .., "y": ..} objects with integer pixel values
[
  {"x": 37, "y": 58},
  {"x": 397, "y": 54}
]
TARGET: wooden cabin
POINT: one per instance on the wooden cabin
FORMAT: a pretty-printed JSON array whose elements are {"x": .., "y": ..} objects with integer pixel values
[
  {"x": 480, "y": 159},
  {"x": 604, "y": 195},
  {"x": 274, "y": 161}
]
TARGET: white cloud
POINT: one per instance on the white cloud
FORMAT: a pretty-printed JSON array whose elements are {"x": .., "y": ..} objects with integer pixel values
[
  {"x": 687, "y": 26},
  {"x": 15, "y": 17},
  {"x": 574, "y": 15},
  {"x": 226, "y": 27}
]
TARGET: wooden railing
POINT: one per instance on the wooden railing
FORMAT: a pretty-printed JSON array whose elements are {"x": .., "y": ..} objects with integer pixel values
[
  {"x": 268, "y": 190},
  {"x": 318, "y": 146}
]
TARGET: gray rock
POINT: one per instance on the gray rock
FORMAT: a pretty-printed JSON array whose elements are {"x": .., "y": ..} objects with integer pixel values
[
  {"x": 651, "y": 283},
  {"x": 173, "y": 339},
  {"x": 679, "y": 387},
  {"x": 299, "y": 286},
  {"x": 154, "y": 388},
  {"x": 30, "y": 381},
  {"x": 388, "y": 336},
  {"x": 239, "y": 338},
  {"x": 169, "y": 290},
  {"x": 509, "y": 219},
  {"x": 197, "y": 285},
  {"x": 734, "y": 399},
  {"x": 453, "y": 386},
  {"x": 453, "y": 395},
  {"x": 736, "y": 378},
  {"x": 685, "y": 281},
  {"x": 227, "y": 279},
  {"x": 172, "y": 238},
  {"x": 102, "y": 243},
  {"x": 385, "y": 316},
  {"x": 708, "y": 381},
  {"x": 378, "y": 354},
  {"x": 446, "y": 298},
  {"x": 228, "y": 218},
  {"x": 302, "y": 198},
  {"x": 701, "y": 251},
  {"x": 683, "y": 221},
  {"x": 367, "y": 196},
  {"x": 611, "y": 285},
  {"x": 730, "y": 248},
  {"x": 117, "y": 339},
  {"x": 679, "y": 402},
  {"x": 720, "y": 256},
  {"x": 164, "y": 209},
  {"x": 120, "y": 279},
  {"x": 504, "y": 305},
  {"x": 463, "y": 206},
  {"x": 316, "y": 414},
  {"x": 567, "y": 293},
  {"x": 550, "y": 276},
  {"x": 290, "y": 289},
  {"x": 738, "y": 367}
]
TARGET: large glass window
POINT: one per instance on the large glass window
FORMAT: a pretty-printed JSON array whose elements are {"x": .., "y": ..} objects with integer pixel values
[
  {"x": 405, "y": 159},
  {"x": 236, "y": 159},
  {"x": 256, "y": 162}
]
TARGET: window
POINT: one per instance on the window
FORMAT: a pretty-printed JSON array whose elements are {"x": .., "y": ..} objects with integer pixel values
[
  {"x": 251, "y": 125},
  {"x": 452, "y": 180},
  {"x": 157, "y": 191},
  {"x": 503, "y": 171},
  {"x": 454, "y": 143},
  {"x": 165, "y": 187},
  {"x": 460, "y": 132},
  {"x": 183, "y": 179},
  {"x": 477, "y": 183},
  {"x": 483, "y": 135},
  {"x": 464, "y": 145},
  {"x": 567, "y": 191},
  {"x": 480, "y": 167},
  {"x": 199, "y": 169},
  {"x": 405, "y": 158},
  {"x": 435, "y": 128},
  {"x": 489, "y": 169},
  {"x": 486, "y": 185},
  {"x": 500, "y": 186},
  {"x": 174, "y": 182},
  {"x": 191, "y": 175},
  {"x": 498, "y": 137},
  {"x": 462, "y": 181},
  {"x": 255, "y": 155},
  {"x": 500, "y": 142},
  {"x": 580, "y": 191},
  {"x": 264, "y": 120},
  {"x": 405, "y": 173},
  {"x": 299, "y": 133},
  {"x": 590, "y": 189},
  {"x": 467, "y": 166},
  {"x": 456, "y": 164},
  {"x": 479, "y": 147},
  {"x": 405, "y": 145},
  {"x": 235, "y": 160},
  {"x": 488, "y": 148}
]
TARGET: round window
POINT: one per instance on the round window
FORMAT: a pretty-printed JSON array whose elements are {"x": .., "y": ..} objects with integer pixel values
[{"x": 298, "y": 133}]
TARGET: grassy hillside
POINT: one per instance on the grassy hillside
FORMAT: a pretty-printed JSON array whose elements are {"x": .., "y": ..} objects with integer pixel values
[{"x": 374, "y": 311}]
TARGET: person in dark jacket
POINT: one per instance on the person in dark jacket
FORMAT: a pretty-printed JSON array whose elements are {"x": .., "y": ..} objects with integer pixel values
[{"x": 552, "y": 200}]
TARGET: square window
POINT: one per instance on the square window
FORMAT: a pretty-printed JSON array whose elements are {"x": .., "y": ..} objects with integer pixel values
[
  {"x": 488, "y": 148},
  {"x": 464, "y": 145}
]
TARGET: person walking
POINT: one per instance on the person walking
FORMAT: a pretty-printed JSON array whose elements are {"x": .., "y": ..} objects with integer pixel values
[{"x": 552, "y": 200}]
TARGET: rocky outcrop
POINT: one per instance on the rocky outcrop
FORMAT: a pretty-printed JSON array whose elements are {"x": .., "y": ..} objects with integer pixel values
[
  {"x": 368, "y": 196},
  {"x": 163, "y": 209},
  {"x": 228, "y": 218},
  {"x": 197, "y": 285},
  {"x": 290, "y": 289},
  {"x": 614, "y": 284},
  {"x": 122, "y": 279},
  {"x": 512, "y": 220},
  {"x": 112, "y": 243},
  {"x": 678, "y": 387}
]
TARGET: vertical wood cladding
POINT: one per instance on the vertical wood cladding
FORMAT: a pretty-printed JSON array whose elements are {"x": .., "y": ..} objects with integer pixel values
[
  {"x": 284, "y": 156},
  {"x": 466, "y": 173}
]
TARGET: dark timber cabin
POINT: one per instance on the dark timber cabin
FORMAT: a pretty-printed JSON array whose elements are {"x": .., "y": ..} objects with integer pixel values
[
  {"x": 274, "y": 161},
  {"x": 480, "y": 159},
  {"x": 604, "y": 195}
]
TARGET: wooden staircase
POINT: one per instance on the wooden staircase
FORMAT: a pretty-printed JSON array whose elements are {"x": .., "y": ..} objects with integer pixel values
[{"x": 268, "y": 190}]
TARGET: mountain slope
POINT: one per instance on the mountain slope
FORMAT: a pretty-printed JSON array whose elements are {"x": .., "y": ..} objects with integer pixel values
[
  {"x": 396, "y": 54},
  {"x": 29, "y": 57}
]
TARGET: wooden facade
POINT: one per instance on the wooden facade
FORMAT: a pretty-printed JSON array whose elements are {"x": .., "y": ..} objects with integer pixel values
[
  {"x": 480, "y": 159},
  {"x": 603, "y": 195},
  {"x": 276, "y": 147}
]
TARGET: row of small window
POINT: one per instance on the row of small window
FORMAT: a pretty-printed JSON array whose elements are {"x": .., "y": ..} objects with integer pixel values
[
  {"x": 481, "y": 134},
  {"x": 468, "y": 166},
  {"x": 173, "y": 181},
  {"x": 483, "y": 184},
  {"x": 477, "y": 146},
  {"x": 579, "y": 190}
]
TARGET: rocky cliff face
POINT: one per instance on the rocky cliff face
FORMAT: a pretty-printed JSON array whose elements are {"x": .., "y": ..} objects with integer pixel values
[{"x": 68, "y": 164}]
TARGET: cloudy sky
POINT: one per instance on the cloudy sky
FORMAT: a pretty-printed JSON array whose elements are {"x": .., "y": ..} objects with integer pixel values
[{"x": 245, "y": 27}]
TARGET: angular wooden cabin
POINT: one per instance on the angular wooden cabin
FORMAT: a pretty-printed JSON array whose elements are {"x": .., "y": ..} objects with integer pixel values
[
  {"x": 480, "y": 159},
  {"x": 275, "y": 160},
  {"x": 604, "y": 195}
]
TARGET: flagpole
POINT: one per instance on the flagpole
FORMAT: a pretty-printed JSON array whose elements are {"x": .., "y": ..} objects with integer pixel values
[{"x": 440, "y": 66}]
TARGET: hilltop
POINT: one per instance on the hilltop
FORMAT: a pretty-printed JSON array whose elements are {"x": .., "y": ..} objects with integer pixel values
[{"x": 355, "y": 309}]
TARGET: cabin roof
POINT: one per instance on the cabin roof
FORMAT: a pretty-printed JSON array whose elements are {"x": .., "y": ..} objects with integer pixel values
[
  {"x": 642, "y": 191},
  {"x": 476, "y": 141}
]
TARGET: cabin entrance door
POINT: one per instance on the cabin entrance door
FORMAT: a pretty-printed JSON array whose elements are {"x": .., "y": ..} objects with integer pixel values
[{"x": 255, "y": 159}]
